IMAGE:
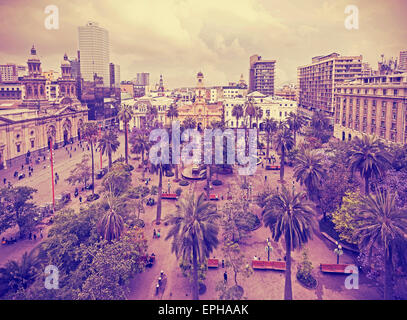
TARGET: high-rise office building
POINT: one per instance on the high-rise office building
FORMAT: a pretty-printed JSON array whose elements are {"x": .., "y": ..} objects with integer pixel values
[
  {"x": 261, "y": 75},
  {"x": 403, "y": 61},
  {"x": 94, "y": 49},
  {"x": 143, "y": 79},
  {"x": 317, "y": 81},
  {"x": 8, "y": 73},
  {"x": 114, "y": 70},
  {"x": 373, "y": 105}
]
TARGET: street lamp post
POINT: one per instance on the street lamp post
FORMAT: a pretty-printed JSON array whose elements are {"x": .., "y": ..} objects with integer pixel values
[
  {"x": 268, "y": 249},
  {"x": 338, "y": 251}
]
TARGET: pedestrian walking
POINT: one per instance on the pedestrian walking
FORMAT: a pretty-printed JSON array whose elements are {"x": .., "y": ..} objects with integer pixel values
[
  {"x": 30, "y": 236},
  {"x": 80, "y": 199},
  {"x": 4, "y": 180},
  {"x": 265, "y": 178},
  {"x": 56, "y": 181},
  {"x": 154, "y": 234},
  {"x": 35, "y": 237},
  {"x": 225, "y": 277}
]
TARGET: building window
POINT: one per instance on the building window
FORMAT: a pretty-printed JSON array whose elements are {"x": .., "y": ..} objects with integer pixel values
[
  {"x": 18, "y": 148},
  {"x": 32, "y": 144}
]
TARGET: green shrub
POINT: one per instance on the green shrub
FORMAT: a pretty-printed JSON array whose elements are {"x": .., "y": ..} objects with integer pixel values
[
  {"x": 178, "y": 192},
  {"x": 304, "y": 271}
]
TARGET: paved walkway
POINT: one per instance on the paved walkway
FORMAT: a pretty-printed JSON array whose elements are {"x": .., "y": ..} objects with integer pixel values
[
  {"x": 262, "y": 285},
  {"x": 40, "y": 180}
]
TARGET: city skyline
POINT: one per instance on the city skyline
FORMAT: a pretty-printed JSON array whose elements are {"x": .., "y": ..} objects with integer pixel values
[{"x": 179, "y": 38}]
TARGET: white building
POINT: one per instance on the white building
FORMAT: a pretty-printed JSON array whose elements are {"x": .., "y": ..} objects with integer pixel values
[
  {"x": 273, "y": 107},
  {"x": 94, "y": 51},
  {"x": 141, "y": 108}
]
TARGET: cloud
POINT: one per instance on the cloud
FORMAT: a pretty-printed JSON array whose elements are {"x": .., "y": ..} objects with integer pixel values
[{"x": 177, "y": 38}]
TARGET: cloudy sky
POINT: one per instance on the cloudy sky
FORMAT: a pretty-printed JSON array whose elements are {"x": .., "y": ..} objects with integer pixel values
[{"x": 178, "y": 38}]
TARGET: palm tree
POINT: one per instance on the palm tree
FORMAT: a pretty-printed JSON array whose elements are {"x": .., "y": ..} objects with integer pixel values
[
  {"x": 19, "y": 275},
  {"x": 381, "y": 224},
  {"x": 270, "y": 127},
  {"x": 125, "y": 114},
  {"x": 189, "y": 123},
  {"x": 238, "y": 113},
  {"x": 368, "y": 157},
  {"x": 289, "y": 215},
  {"x": 283, "y": 141},
  {"x": 109, "y": 144},
  {"x": 152, "y": 115},
  {"x": 172, "y": 111},
  {"x": 90, "y": 134},
  {"x": 309, "y": 170},
  {"x": 319, "y": 121},
  {"x": 258, "y": 114},
  {"x": 295, "y": 123},
  {"x": 194, "y": 233},
  {"x": 140, "y": 144},
  {"x": 111, "y": 225},
  {"x": 250, "y": 111}
]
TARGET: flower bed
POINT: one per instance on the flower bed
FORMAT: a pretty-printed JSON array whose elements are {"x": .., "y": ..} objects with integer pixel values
[{"x": 308, "y": 282}]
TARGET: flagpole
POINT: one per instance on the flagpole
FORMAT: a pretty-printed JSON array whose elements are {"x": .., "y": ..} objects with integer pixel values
[
  {"x": 100, "y": 135},
  {"x": 52, "y": 175}
]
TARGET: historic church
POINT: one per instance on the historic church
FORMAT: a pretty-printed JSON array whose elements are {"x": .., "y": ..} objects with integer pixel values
[
  {"x": 32, "y": 122},
  {"x": 202, "y": 112}
]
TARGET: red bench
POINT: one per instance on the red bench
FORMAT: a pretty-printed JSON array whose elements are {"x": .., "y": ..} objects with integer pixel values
[
  {"x": 270, "y": 167},
  {"x": 213, "y": 263},
  {"x": 169, "y": 196},
  {"x": 333, "y": 268},
  {"x": 268, "y": 265}
]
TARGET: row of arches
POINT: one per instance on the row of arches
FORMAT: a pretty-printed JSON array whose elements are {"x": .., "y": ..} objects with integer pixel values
[{"x": 66, "y": 132}]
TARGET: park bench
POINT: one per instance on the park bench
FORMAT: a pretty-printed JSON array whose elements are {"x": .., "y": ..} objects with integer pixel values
[
  {"x": 268, "y": 265},
  {"x": 213, "y": 197},
  {"x": 213, "y": 263},
  {"x": 172, "y": 196},
  {"x": 271, "y": 167},
  {"x": 333, "y": 268}
]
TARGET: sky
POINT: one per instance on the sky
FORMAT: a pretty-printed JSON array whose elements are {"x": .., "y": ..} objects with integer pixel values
[{"x": 178, "y": 38}]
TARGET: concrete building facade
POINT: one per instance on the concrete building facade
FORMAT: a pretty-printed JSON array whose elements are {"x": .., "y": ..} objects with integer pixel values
[
  {"x": 261, "y": 75},
  {"x": 317, "y": 81},
  {"x": 375, "y": 106},
  {"x": 94, "y": 52}
]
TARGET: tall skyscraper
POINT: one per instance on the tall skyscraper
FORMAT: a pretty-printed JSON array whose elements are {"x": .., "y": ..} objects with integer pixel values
[
  {"x": 143, "y": 79},
  {"x": 94, "y": 49},
  {"x": 114, "y": 70},
  {"x": 403, "y": 61},
  {"x": 261, "y": 75},
  {"x": 317, "y": 81}
]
